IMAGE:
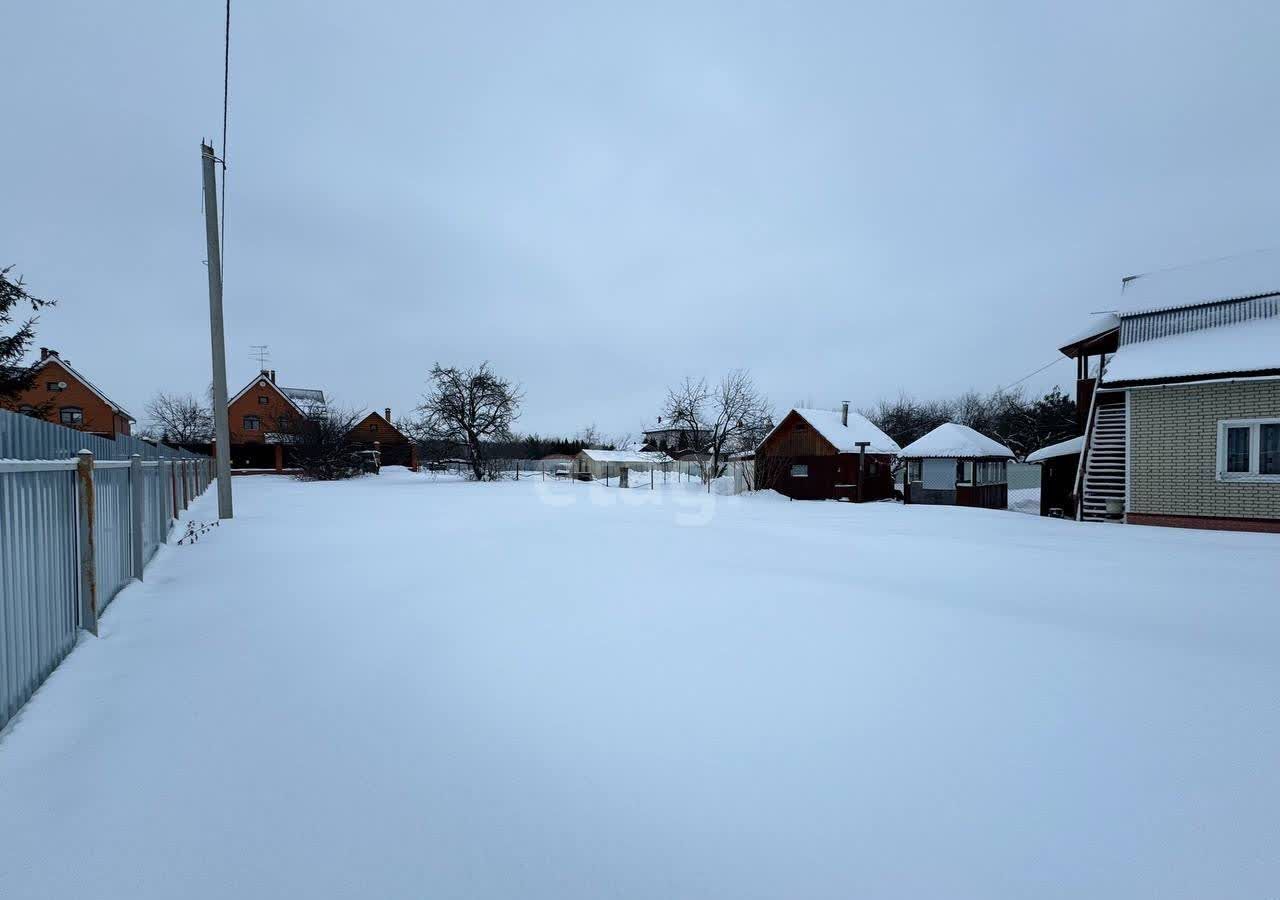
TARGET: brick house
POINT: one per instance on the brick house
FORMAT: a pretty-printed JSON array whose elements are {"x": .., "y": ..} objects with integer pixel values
[
  {"x": 70, "y": 399},
  {"x": 265, "y": 413},
  {"x": 1182, "y": 426}
]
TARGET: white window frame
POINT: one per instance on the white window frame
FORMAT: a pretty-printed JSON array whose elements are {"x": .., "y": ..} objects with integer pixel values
[
  {"x": 804, "y": 473},
  {"x": 1255, "y": 451}
]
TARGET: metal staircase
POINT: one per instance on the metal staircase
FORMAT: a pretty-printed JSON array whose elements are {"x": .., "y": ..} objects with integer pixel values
[{"x": 1104, "y": 474}]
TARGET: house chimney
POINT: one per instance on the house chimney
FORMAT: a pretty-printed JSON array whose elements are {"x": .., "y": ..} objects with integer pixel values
[
  {"x": 273, "y": 376},
  {"x": 388, "y": 416},
  {"x": 45, "y": 352},
  {"x": 844, "y": 414}
]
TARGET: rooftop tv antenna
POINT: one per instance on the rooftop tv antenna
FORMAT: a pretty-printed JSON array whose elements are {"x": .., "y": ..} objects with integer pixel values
[{"x": 261, "y": 353}]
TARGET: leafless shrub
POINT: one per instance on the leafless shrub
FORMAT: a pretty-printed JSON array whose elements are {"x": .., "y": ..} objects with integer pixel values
[{"x": 320, "y": 448}]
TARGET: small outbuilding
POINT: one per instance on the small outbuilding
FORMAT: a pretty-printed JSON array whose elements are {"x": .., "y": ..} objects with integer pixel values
[
  {"x": 953, "y": 465},
  {"x": 590, "y": 465},
  {"x": 1058, "y": 465},
  {"x": 822, "y": 454}
]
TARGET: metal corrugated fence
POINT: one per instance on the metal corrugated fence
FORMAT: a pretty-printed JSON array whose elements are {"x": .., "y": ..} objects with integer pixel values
[{"x": 41, "y": 595}]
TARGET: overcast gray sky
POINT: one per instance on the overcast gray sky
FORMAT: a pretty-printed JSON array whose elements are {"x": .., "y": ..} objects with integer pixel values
[{"x": 847, "y": 199}]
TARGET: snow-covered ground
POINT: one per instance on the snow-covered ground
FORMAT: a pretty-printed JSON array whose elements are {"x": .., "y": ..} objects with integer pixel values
[{"x": 406, "y": 687}]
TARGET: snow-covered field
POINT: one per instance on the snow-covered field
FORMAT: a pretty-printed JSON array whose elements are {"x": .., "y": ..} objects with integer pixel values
[{"x": 406, "y": 687}]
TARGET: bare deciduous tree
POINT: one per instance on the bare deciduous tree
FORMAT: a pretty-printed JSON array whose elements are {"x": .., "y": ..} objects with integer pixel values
[
  {"x": 468, "y": 407},
  {"x": 725, "y": 416},
  {"x": 179, "y": 419}
]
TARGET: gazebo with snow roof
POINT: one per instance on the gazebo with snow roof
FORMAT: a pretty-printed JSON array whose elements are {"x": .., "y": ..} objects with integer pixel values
[{"x": 953, "y": 465}]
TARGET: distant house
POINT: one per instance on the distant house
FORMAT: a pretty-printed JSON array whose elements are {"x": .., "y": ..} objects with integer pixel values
[
  {"x": 62, "y": 395},
  {"x": 377, "y": 427},
  {"x": 396, "y": 447},
  {"x": 266, "y": 413},
  {"x": 953, "y": 465},
  {"x": 590, "y": 464},
  {"x": 1181, "y": 413},
  {"x": 819, "y": 454},
  {"x": 671, "y": 438}
]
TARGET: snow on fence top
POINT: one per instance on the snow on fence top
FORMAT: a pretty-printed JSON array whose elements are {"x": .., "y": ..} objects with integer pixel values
[
  {"x": 844, "y": 438},
  {"x": 626, "y": 456},
  {"x": 952, "y": 441},
  {"x": 1245, "y": 347},
  {"x": 1065, "y": 448}
]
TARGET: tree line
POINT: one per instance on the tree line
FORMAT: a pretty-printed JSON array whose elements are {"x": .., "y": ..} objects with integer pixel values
[{"x": 1021, "y": 423}]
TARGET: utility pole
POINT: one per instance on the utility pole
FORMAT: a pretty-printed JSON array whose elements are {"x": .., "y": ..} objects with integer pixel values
[{"x": 220, "y": 424}]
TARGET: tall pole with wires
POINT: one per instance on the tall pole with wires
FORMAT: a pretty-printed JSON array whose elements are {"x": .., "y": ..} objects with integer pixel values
[{"x": 220, "y": 423}]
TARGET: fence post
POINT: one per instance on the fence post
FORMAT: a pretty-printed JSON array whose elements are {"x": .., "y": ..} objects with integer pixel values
[
  {"x": 173, "y": 487},
  {"x": 136, "y": 510},
  {"x": 88, "y": 568},
  {"x": 186, "y": 501}
]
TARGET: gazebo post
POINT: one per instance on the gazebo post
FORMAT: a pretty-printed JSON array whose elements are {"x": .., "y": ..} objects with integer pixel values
[{"x": 862, "y": 461}]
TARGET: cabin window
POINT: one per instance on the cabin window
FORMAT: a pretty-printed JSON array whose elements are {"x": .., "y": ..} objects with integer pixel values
[
  {"x": 1249, "y": 450},
  {"x": 251, "y": 423},
  {"x": 800, "y": 470},
  {"x": 991, "y": 471},
  {"x": 915, "y": 470},
  {"x": 71, "y": 415},
  {"x": 373, "y": 427},
  {"x": 964, "y": 471},
  {"x": 262, "y": 400}
]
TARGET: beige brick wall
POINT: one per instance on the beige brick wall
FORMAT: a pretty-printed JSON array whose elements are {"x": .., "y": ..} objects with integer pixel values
[{"x": 1173, "y": 449}]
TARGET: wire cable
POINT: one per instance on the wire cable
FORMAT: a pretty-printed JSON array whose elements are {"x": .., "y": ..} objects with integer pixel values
[
  {"x": 1036, "y": 372},
  {"x": 226, "y": 101}
]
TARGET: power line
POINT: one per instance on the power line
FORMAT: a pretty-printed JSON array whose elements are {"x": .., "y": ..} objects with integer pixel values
[
  {"x": 1036, "y": 372},
  {"x": 226, "y": 99}
]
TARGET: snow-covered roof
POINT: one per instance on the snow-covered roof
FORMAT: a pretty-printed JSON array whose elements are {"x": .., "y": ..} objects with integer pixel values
[
  {"x": 264, "y": 381},
  {"x": 844, "y": 438},
  {"x": 952, "y": 441},
  {"x": 1243, "y": 347},
  {"x": 1235, "y": 278},
  {"x": 1065, "y": 448},
  {"x": 1099, "y": 323},
  {"x": 625, "y": 456}
]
